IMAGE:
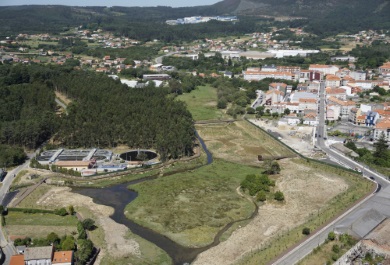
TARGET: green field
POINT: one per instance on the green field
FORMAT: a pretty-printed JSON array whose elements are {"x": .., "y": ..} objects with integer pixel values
[
  {"x": 202, "y": 103},
  {"x": 45, "y": 219},
  {"x": 191, "y": 207}
]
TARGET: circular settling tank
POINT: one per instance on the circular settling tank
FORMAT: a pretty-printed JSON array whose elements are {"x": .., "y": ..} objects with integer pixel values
[{"x": 138, "y": 155}]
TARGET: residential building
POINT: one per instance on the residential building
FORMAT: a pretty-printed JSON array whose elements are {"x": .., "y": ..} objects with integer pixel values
[
  {"x": 309, "y": 75},
  {"x": 63, "y": 258},
  {"x": 363, "y": 84},
  {"x": 384, "y": 114},
  {"x": 358, "y": 75},
  {"x": 361, "y": 120},
  {"x": 383, "y": 126},
  {"x": 290, "y": 69},
  {"x": 278, "y": 86},
  {"x": 297, "y": 95},
  {"x": 310, "y": 119},
  {"x": 38, "y": 255},
  {"x": 384, "y": 69},
  {"x": 325, "y": 69},
  {"x": 293, "y": 107},
  {"x": 272, "y": 97},
  {"x": 332, "y": 81},
  {"x": 332, "y": 112},
  {"x": 353, "y": 114},
  {"x": 308, "y": 103},
  {"x": 293, "y": 119},
  {"x": 345, "y": 106},
  {"x": 371, "y": 118},
  {"x": 339, "y": 93},
  {"x": 17, "y": 260},
  {"x": 343, "y": 72},
  {"x": 346, "y": 80},
  {"x": 251, "y": 75},
  {"x": 269, "y": 68}
]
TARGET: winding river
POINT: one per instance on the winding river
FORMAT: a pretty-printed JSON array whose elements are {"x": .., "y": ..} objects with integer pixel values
[{"x": 118, "y": 196}]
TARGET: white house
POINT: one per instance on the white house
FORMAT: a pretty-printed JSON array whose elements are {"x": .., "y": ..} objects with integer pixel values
[
  {"x": 339, "y": 93},
  {"x": 358, "y": 75},
  {"x": 332, "y": 81},
  {"x": 325, "y": 69},
  {"x": 345, "y": 106},
  {"x": 382, "y": 126},
  {"x": 310, "y": 119},
  {"x": 332, "y": 112},
  {"x": 38, "y": 255}
]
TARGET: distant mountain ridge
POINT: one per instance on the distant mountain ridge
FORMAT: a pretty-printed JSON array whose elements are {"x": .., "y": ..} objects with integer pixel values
[
  {"x": 324, "y": 17},
  {"x": 307, "y": 8}
]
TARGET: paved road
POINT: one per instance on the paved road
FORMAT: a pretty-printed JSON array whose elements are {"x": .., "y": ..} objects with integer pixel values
[
  {"x": 7, "y": 248},
  {"x": 374, "y": 208},
  {"x": 159, "y": 59}
]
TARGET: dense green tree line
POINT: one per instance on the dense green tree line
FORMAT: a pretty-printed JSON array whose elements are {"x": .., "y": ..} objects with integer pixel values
[
  {"x": 107, "y": 113},
  {"x": 372, "y": 56},
  {"x": 27, "y": 109},
  {"x": 103, "y": 112}
]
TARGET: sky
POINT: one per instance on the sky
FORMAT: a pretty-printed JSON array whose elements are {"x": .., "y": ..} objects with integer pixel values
[{"x": 173, "y": 3}]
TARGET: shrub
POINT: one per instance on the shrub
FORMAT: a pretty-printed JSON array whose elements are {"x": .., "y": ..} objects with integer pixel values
[
  {"x": 60, "y": 212},
  {"x": 336, "y": 249},
  {"x": 306, "y": 231},
  {"x": 261, "y": 196},
  {"x": 279, "y": 196},
  {"x": 331, "y": 236}
]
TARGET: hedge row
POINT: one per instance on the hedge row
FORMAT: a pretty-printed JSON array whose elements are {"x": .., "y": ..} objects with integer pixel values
[{"x": 29, "y": 210}]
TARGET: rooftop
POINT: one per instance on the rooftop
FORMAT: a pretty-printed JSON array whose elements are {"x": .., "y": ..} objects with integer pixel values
[
  {"x": 384, "y": 124},
  {"x": 38, "y": 253},
  {"x": 17, "y": 260},
  {"x": 62, "y": 257}
]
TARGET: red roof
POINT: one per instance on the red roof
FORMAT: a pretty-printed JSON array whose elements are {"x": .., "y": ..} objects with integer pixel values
[{"x": 17, "y": 260}]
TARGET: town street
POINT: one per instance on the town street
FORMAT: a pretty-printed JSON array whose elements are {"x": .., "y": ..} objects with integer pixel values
[{"x": 373, "y": 209}]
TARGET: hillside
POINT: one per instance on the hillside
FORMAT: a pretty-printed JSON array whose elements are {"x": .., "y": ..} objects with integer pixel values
[
  {"x": 324, "y": 17},
  {"x": 145, "y": 23}
]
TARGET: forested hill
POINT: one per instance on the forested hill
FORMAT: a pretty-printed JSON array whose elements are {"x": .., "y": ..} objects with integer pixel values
[
  {"x": 104, "y": 113},
  {"x": 324, "y": 17}
]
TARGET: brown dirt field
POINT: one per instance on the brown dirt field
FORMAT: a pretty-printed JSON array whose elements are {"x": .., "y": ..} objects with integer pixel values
[
  {"x": 297, "y": 182},
  {"x": 115, "y": 235},
  {"x": 240, "y": 142}
]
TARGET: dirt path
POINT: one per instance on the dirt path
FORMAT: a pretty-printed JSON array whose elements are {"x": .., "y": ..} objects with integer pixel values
[
  {"x": 297, "y": 183},
  {"x": 116, "y": 239}
]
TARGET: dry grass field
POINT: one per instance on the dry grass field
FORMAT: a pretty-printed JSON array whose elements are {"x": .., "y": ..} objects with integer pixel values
[{"x": 241, "y": 142}]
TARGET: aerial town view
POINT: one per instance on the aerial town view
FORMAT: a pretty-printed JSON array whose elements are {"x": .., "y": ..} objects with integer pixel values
[{"x": 233, "y": 132}]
